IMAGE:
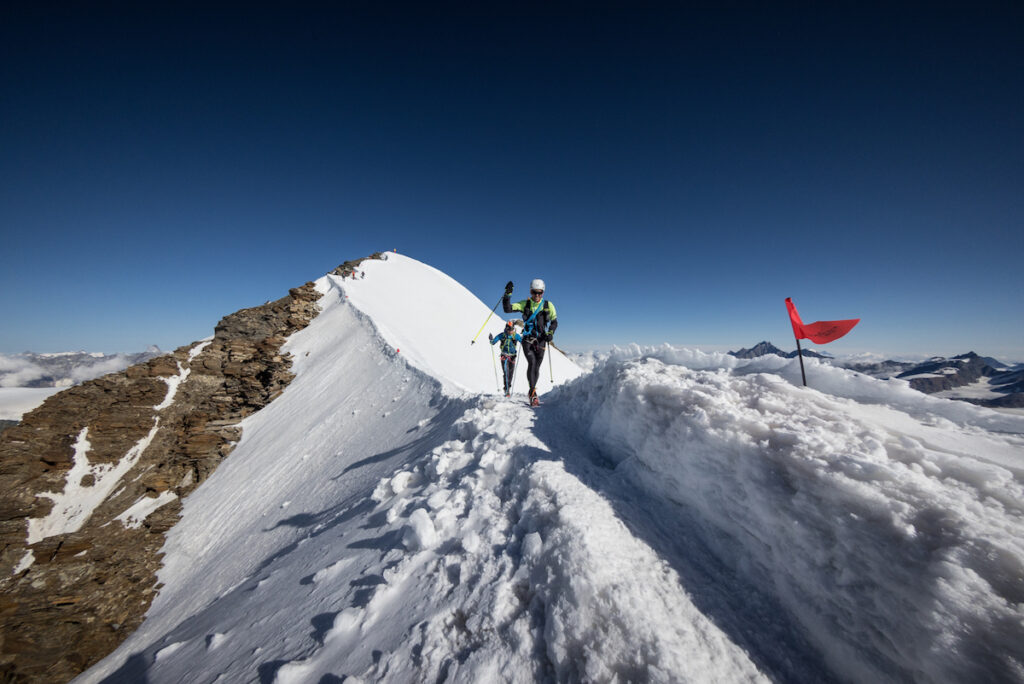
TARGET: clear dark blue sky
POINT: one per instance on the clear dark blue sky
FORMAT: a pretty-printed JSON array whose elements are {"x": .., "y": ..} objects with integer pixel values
[{"x": 672, "y": 172}]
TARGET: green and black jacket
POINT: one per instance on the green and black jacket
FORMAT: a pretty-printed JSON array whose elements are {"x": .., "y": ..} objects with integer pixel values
[{"x": 547, "y": 318}]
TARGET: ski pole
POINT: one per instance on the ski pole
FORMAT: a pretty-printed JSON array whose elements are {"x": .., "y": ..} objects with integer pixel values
[
  {"x": 495, "y": 364},
  {"x": 551, "y": 369},
  {"x": 512, "y": 380},
  {"x": 485, "y": 321}
]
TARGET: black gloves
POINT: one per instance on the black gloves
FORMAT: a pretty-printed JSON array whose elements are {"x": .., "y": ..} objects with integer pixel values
[
  {"x": 490, "y": 337},
  {"x": 508, "y": 287},
  {"x": 549, "y": 335}
]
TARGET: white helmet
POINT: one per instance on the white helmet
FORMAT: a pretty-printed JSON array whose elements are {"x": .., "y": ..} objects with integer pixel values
[{"x": 537, "y": 284}]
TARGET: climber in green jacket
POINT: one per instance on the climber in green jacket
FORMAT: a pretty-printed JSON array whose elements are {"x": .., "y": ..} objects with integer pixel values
[{"x": 540, "y": 321}]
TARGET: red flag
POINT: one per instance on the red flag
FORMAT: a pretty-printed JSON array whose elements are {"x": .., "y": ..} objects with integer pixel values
[{"x": 821, "y": 332}]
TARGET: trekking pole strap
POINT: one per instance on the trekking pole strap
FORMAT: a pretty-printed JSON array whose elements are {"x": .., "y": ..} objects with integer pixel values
[
  {"x": 495, "y": 363},
  {"x": 528, "y": 325}
]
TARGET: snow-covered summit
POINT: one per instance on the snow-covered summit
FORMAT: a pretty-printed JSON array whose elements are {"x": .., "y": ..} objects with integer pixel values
[
  {"x": 431, "y": 319},
  {"x": 668, "y": 516}
]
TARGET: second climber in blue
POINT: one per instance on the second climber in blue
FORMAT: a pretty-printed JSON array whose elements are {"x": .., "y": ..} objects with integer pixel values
[{"x": 509, "y": 341}]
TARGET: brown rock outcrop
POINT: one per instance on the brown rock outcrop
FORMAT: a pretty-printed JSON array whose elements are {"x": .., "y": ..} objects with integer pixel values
[
  {"x": 350, "y": 269},
  {"x": 80, "y": 588}
]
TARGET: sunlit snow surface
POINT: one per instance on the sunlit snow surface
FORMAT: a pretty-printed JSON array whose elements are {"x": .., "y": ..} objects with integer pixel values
[
  {"x": 669, "y": 516},
  {"x": 432, "y": 319}
]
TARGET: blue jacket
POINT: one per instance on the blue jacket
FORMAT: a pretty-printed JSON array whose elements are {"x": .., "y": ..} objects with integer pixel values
[{"x": 508, "y": 342}]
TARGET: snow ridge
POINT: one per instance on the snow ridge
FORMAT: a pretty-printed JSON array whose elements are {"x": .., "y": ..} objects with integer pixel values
[{"x": 669, "y": 516}]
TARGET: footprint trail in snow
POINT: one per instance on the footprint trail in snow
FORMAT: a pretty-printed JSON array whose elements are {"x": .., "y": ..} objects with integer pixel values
[{"x": 520, "y": 571}]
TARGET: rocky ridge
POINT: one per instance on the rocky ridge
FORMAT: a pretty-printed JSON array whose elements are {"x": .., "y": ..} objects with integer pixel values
[{"x": 75, "y": 583}]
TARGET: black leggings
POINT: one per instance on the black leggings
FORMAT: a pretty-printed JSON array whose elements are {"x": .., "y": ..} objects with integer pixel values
[
  {"x": 534, "y": 351},
  {"x": 508, "y": 369}
]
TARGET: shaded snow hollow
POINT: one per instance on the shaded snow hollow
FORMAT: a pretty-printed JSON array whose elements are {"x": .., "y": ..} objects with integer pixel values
[{"x": 668, "y": 516}]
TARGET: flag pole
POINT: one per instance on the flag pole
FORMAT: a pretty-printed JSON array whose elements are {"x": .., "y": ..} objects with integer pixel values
[{"x": 800, "y": 353}]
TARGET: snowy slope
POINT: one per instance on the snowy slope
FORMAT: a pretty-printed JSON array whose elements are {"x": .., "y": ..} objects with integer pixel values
[
  {"x": 668, "y": 516},
  {"x": 431, "y": 319}
]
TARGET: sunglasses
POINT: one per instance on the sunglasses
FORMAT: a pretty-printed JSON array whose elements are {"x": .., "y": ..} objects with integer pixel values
[{"x": 536, "y": 292}]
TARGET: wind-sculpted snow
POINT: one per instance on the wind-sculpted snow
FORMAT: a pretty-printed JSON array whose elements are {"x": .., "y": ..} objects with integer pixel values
[
  {"x": 892, "y": 536},
  {"x": 836, "y": 381}
]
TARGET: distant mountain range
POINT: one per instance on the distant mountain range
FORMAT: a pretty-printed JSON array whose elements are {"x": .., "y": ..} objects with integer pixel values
[
  {"x": 980, "y": 380},
  {"x": 765, "y": 348},
  {"x": 1004, "y": 383}
]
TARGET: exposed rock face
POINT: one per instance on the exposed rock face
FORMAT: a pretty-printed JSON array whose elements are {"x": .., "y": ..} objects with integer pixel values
[
  {"x": 350, "y": 269},
  {"x": 1014, "y": 400},
  {"x": 941, "y": 374},
  {"x": 76, "y": 579}
]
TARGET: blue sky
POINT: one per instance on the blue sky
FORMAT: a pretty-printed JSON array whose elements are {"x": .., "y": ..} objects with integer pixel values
[{"x": 673, "y": 173}]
